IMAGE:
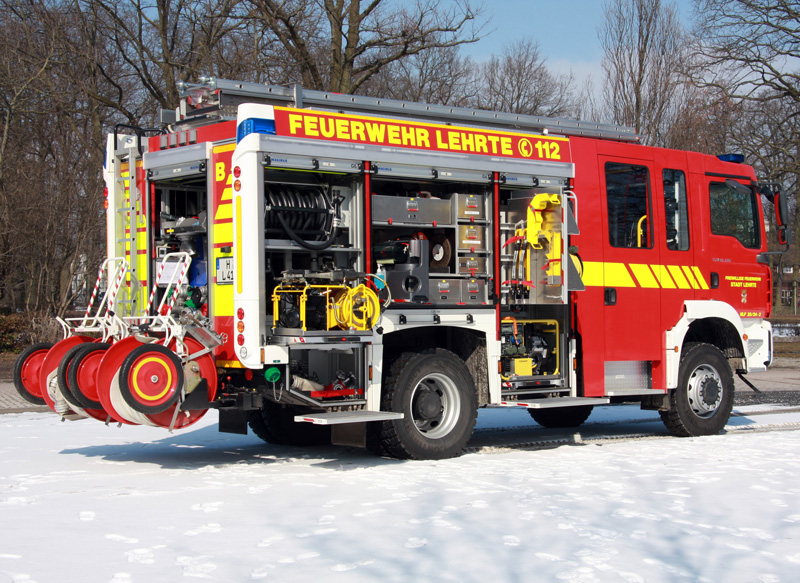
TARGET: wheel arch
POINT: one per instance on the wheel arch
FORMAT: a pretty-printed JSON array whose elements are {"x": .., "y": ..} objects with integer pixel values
[
  {"x": 468, "y": 344},
  {"x": 709, "y": 322}
]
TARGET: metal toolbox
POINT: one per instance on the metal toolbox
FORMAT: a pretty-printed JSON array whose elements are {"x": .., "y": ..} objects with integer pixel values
[
  {"x": 471, "y": 206},
  {"x": 445, "y": 290},
  {"x": 470, "y": 265},
  {"x": 410, "y": 210},
  {"x": 471, "y": 237},
  {"x": 473, "y": 291}
]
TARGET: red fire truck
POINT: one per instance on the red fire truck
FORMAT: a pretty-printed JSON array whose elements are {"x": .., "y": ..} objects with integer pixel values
[{"x": 324, "y": 267}]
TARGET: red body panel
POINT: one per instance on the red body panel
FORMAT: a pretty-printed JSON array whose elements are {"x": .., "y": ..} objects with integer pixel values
[{"x": 652, "y": 283}]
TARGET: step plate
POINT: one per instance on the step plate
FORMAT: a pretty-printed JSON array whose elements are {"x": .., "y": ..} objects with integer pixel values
[
  {"x": 553, "y": 403},
  {"x": 348, "y": 417}
]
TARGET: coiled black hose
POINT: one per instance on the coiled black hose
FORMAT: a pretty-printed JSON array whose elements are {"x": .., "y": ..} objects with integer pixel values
[{"x": 308, "y": 212}]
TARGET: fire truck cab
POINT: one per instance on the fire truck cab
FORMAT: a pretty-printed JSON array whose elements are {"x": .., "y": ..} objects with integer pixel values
[{"x": 330, "y": 267}]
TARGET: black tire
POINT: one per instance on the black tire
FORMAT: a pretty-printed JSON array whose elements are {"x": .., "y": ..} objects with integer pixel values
[
  {"x": 83, "y": 351},
  {"x": 129, "y": 364},
  {"x": 374, "y": 444},
  {"x": 703, "y": 401},
  {"x": 561, "y": 417},
  {"x": 19, "y": 364},
  {"x": 275, "y": 424},
  {"x": 62, "y": 377},
  {"x": 437, "y": 394}
]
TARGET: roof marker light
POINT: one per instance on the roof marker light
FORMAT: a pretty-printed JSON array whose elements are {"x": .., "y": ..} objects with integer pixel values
[{"x": 735, "y": 158}]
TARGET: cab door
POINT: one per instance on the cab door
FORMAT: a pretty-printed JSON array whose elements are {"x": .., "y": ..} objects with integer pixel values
[
  {"x": 631, "y": 274},
  {"x": 734, "y": 240}
]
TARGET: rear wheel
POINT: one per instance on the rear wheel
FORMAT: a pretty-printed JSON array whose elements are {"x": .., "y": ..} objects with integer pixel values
[
  {"x": 703, "y": 401},
  {"x": 561, "y": 417},
  {"x": 26, "y": 372},
  {"x": 436, "y": 393},
  {"x": 275, "y": 424}
]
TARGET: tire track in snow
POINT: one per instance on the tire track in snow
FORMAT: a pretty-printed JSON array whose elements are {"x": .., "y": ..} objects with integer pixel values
[{"x": 597, "y": 436}]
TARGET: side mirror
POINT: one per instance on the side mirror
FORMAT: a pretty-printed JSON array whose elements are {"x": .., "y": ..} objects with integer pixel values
[
  {"x": 772, "y": 192},
  {"x": 782, "y": 216}
]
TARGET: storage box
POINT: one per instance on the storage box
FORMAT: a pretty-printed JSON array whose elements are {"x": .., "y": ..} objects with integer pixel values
[
  {"x": 471, "y": 238},
  {"x": 471, "y": 206},
  {"x": 410, "y": 210},
  {"x": 473, "y": 291},
  {"x": 445, "y": 290},
  {"x": 472, "y": 265}
]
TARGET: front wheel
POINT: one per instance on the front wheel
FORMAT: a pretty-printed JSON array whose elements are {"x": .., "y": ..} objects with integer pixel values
[
  {"x": 703, "y": 401},
  {"x": 437, "y": 395}
]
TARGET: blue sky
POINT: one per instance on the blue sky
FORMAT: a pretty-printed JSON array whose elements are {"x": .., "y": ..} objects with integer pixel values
[{"x": 565, "y": 29}]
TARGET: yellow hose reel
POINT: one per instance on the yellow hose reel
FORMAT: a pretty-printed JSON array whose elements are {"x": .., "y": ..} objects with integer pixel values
[{"x": 356, "y": 308}]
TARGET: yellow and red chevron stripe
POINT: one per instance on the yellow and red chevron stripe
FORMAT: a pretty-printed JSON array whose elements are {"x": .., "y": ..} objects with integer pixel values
[{"x": 644, "y": 275}]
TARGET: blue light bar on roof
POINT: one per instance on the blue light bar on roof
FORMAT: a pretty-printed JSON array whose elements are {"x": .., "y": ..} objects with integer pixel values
[
  {"x": 735, "y": 158},
  {"x": 254, "y": 126}
]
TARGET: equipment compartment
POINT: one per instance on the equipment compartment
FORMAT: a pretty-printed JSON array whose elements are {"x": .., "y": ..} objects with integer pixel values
[
  {"x": 471, "y": 207},
  {"x": 471, "y": 238},
  {"x": 410, "y": 210}
]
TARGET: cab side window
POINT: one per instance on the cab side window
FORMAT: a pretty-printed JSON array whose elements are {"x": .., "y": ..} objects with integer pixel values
[
  {"x": 675, "y": 210},
  {"x": 734, "y": 214},
  {"x": 628, "y": 195}
]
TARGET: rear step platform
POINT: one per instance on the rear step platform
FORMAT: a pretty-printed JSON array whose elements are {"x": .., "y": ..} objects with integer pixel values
[
  {"x": 556, "y": 402},
  {"x": 349, "y": 417}
]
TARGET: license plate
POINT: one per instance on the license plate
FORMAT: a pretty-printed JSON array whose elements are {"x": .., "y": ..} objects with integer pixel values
[{"x": 224, "y": 270}]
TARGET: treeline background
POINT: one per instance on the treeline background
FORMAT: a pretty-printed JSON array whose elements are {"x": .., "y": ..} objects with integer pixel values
[{"x": 728, "y": 81}]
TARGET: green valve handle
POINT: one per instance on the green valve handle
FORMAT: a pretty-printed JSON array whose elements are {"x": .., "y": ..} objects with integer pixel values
[{"x": 272, "y": 374}]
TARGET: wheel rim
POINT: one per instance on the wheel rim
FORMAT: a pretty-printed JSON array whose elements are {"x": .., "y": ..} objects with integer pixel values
[
  {"x": 83, "y": 380},
  {"x": 435, "y": 406},
  {"x": 153, "y": 379},
  {"x": 31, "y": 369},
  {"x": 705, "y": 391},
  {"x": 50, "y": 365},
  {"x": 107, "y": 372},
  {"x": 208, "y": 370}
]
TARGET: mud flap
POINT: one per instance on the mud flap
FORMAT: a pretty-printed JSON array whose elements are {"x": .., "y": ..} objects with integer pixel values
[{"x": 233, "y": 421}]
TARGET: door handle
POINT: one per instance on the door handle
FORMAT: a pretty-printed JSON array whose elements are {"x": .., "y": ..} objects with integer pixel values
[{"x": 610, "y": 296}]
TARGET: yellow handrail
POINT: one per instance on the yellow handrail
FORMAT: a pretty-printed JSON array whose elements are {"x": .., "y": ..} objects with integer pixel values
[{"x": 639, "y": 231}]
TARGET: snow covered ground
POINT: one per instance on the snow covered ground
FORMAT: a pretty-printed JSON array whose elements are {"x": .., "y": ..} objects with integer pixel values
[{"x": 83, "y": 502}]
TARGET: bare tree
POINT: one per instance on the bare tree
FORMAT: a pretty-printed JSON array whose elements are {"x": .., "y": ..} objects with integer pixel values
[
  {"x": 441, "y": 75},
  {"x": 704, "y": 120},
  {"x": 338, "y": 45},
  {"x": 518, "y": 81},
  {"x": 749, "y": 48},
  {"x": 644, "y": 51},
  {"x": 27, "y": 56},
  {"x": 164, "y": 41},
  {"x": 52, "y": 217}
]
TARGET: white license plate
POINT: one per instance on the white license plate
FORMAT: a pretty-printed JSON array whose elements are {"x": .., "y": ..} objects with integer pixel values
[{"x": 224, "y": 270}]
